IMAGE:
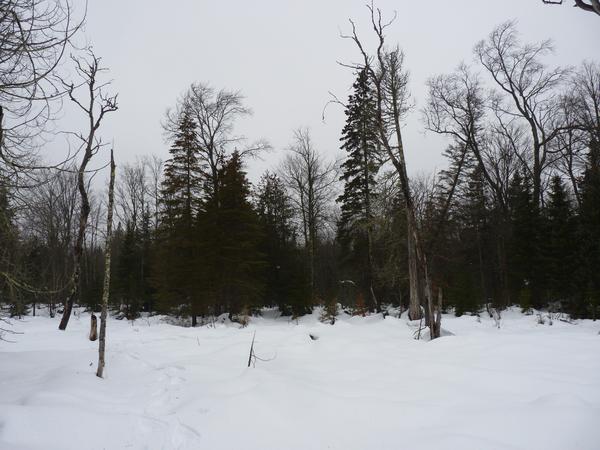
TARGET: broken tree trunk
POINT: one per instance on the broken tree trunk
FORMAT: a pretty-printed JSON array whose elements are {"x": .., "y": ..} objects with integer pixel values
[
  {"x": 93, "y": 328},
  {"x": 107, "y": 254}
]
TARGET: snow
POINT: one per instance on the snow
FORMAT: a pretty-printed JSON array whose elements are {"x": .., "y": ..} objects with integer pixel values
[{"x": 365, "y": 383}]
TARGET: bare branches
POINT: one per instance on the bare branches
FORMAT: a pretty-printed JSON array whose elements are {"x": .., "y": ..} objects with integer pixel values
[
  {"x": 34, "y": 37},
  {"x": 214, "y": 113},
  {"x": 592, "y": 6},
  {"x": 528, "y": 92}
]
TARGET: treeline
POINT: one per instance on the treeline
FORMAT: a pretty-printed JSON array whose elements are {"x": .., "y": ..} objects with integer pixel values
[{"x": 514, "y": 219}]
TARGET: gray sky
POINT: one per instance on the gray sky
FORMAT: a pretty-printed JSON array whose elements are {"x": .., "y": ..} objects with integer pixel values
[{"x": 282, "y": 56}]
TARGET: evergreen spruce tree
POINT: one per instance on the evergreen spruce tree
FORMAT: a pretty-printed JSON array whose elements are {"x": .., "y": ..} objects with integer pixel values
[
  {"x": 232, "y": 265},
  {"x": 523, "y": 243},
  {"x": 559, "y": 246},
  {"x": 145, "y": 254},
  {"x": 285, "y": 283},
  {"x": 355, "y": 227},
  {"x": 127, "y": 279},
  {"x": 10, "y": 267},
  {"x": 467, "y": 262},
  {"x": 176, "y": 258},
  {"x": 589, "y": 231}
]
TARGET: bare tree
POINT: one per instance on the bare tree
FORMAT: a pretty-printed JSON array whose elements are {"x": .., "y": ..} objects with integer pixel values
[
  {"x": 456, "y": 107},
  {"x": 585, "y": 89},
  {"x": 95, "y": 105},
  {"x": 154, "y": 164},
  {"x": 133, "y": 193},
  {"x": 107, "y": 256},
  {"x": 579, "y": 121},
  {"x": 311, "y": 181},
  {"x": 528, "y": 95},
  {"x": 592, "y": 6}
]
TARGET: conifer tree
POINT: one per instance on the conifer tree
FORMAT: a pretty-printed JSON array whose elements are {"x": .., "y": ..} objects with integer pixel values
[
  {"x": 285, "y": 283},
  {"x": 523, "y": 245},
  {"x": 559, "y": 248},
  {"x": 127, "y": 277},
  {"x": 232, "y": 264},
  {"x": 355, "y": 227},
  {"x": 176, "y": 258},
  {"x": 466, "y": 260},
  {"x": 9, "y": 264},
  {"x": 589, "y": 221}
]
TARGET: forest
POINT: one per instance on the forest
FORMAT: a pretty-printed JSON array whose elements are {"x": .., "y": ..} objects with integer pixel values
[
  {"x": 223, "y": 225},
  {"x": 513, "y": 219}
]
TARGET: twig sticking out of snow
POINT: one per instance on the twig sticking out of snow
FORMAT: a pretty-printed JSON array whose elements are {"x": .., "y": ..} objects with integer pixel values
[
  {"x": 253, "y": 357},
  {"x": 251, "y": 350}
]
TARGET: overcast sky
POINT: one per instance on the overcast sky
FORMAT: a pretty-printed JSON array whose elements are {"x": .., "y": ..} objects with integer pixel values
[{"x": 282, "y": 56}]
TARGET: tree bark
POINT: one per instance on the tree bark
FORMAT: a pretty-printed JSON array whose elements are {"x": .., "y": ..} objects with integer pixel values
[{"x": 414, "y": 306}]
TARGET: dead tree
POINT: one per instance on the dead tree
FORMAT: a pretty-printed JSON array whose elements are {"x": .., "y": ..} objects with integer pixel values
[
  {"x": 107, "y": 256},
  {"x": 390, "y": 80},
  {"x": 95, "y": 106}
]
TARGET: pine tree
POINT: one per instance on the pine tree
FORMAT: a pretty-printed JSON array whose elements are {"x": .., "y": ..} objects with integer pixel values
[
  {"x": 285, "y": 283},
  {"x": 524, "y": 249},
  {"x": 127, "y": 280},
  {"x": 589, "y": 231},
  {"x": 232, "y": 264},
  {"x": 466, "y": 260},
  {"x": 10, "y": 266},
  {"x": 181, "y": 187},
  {"x": 355, "y": 227},
  {"x": 176, "y": 258},
  {"x": 559, "y": 246}
]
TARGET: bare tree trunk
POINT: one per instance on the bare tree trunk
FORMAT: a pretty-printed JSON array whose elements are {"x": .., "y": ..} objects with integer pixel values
[
  {"x": 107, "y": 254},
  {"x": 78, "y": 249},
  {"x": 414, "y": 306}
]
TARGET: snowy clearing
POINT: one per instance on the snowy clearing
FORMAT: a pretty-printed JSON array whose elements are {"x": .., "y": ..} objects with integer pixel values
[{"x": 365, "y": 383}]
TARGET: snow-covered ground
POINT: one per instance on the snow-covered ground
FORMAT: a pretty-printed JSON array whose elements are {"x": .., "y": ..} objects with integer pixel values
[{"x": 365, "y": 384}]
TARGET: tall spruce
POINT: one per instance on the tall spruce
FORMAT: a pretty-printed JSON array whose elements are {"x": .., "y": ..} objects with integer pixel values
[
  {"x": 231, "y": 275},
  {"x": 128, "y": 284},
  {"x": 176, "y": 258},
  {"x": 559, "y": 243},
  {"x": 355, "y": 227},
  {"x": 589, "y": 221},
  {"x": 523, "y": 243},
  {"x": 285, "y": 283}
]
